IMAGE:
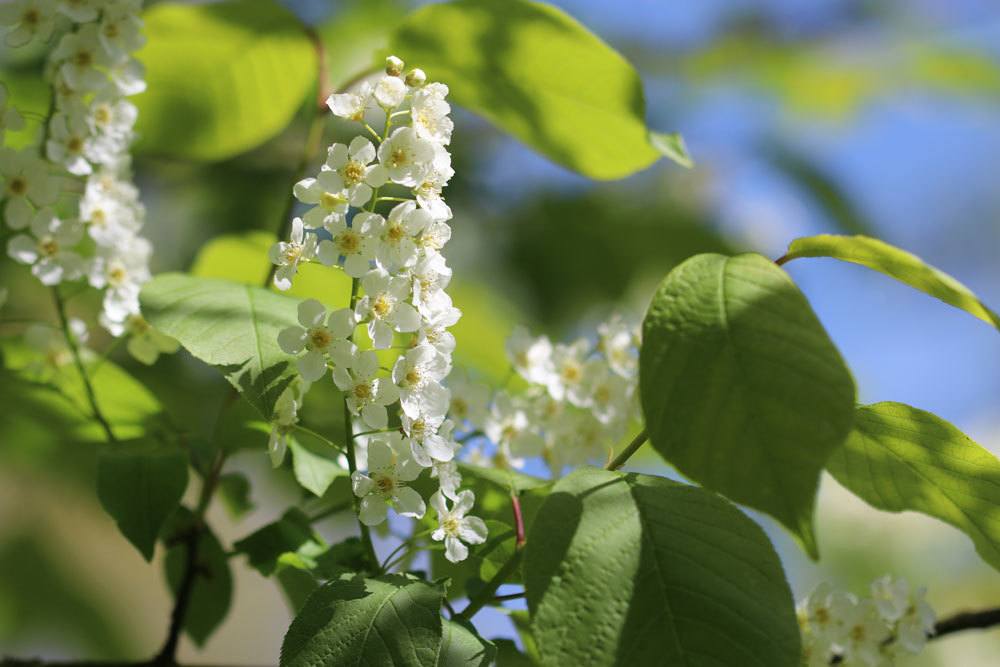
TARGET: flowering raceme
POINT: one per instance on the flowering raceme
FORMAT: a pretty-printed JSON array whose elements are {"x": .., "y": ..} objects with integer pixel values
[
  {"x": 391, "y": 246},
  {"x": 865, "y": 632},
  {"x": 85, "y": 148}
]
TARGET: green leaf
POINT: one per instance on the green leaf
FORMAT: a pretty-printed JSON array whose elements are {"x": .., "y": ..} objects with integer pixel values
[
  {"x": 314, "y": 472},
  {"x": 535, "y": 72},
  {"x": 672, "y": 145},
  {"x": 58, "y": 392},
  {"x": 234, "y": 488},
  {"x": 896, "y": 263},
  {"x": 741, "y": 387},
  {"x": 292, "y": 533},
  {"x": 639, "y": 570},
  {"x": 462, "y": 647},
  {"x": 900, "y": 458},
  {"x": 222, "y": 78},
  {"x": 231, "y": 326},
  {"x": 391, "y": 620},
  {"x": 140, "y": 483},
  {"x": 212, "y": 591}
]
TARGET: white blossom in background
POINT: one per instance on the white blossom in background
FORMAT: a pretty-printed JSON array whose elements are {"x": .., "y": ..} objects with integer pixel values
[
  {"x": 10, "y": 118},
  {"x": 91, "y": 71},
  {"x": 864, "y": 632},
  {"x": 376, "y": 210},
  {"x": 580, "y": 402}
]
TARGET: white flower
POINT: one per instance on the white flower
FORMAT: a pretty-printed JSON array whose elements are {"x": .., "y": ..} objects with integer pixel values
[
  {"x": 50, "y": 252},
  {"x": 434, "y": 236},
  {"x": 353, "y": 243},
  {"x": 283, "y": 421},
  {"x": 301, "y": 247},
  {"x": 469, "y": 399},
  {"x": 110, "y": 209},
  {"x": 67, "y": 143},
  {"x": 566, "y": 379},
  {"x": 352, "y": 165},
  {"x": 618, "y": 341},
  {"x": 327, "y": 195},
  {"x": 121, "y": 269},
  {"x": 10, "y": 119},
  {"x": 80, "y": 11},
  {"x": 384, "y": 307},
  {"x": 366, "y": 394},
  {"x": 455, "y": 528},
  {"x": 322, "y": 337},
  {"x": 351, "y": 106},
  {"x": 110, "y": 119},
  {"x": 406, "y": 157},
  {"x": 145, "y": 343},
  {"x": 531, "y": 357},
  {"x": 913, "y": 618},
  {"x": 428, "y": 191},
  {"x": 864, "y": 633},
  {"x": 509, "y": 427},
  {"x": 417, "y": 374},
  {"x": 430, "y": 438},
  {"x": 390, "y": 91},
  {"x": 448, "y": 476},
  {"x": 120, "y": 31},
  {"x": 396, "y": 246},
  {"x": 127, "y": 77},
  {"x": 26, "y": 179},
  {"x": 431, "y": 275},
  {"x": 430, "y": 113},
  {"x": 388, "y": 473},
  {"x": 437, "y": 316},
  {"x": 82, "y": 55},
  {"x": 28, "y": 20},
  {"x": 608, "y": 395}
]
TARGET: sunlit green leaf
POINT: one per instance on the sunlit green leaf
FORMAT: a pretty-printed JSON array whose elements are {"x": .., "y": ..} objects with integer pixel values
[
  {"x": 741, "y": 387},
  {"x": 537, "y": 73},
  {"x": 900, "y": 458},
  {"x": 222, "y": 77},
  {"x": 896, "y": 263}
]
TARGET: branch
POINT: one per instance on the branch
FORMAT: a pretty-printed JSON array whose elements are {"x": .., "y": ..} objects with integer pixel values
[
  {"x": 78, "y": 361},
  {"x": 631, "y": 449}
]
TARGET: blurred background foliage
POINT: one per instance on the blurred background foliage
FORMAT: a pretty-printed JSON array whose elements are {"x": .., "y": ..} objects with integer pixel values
[{"x": 847, "y": 116}]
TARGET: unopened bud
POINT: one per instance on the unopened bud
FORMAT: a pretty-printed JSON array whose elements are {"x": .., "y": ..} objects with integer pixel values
[
  {"x": 394, "y": 66},
  {"x": 416, "y": 78}
]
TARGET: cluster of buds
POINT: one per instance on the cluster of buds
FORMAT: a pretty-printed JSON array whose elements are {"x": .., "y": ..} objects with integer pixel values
[
  {"x": 85, "y": 148},
  {"x": 391, "y": 246},
  {"x": 866, "y": 632}
]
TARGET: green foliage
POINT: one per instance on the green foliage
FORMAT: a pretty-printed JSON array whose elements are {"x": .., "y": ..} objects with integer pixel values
[
  {"x": 734, "y": 369},
  {"x": 230, "y": 326},
  {"x": 640, "y": 570},
  {"x": 222, "y": 78},
  {"x": 896, "y": 263},
  {"x": 291, "y": 534},
  {"x": 212, "y": 591},
  {"x": 234, "y": 489},
  {"x": 140, "y": 483},
  {"x": 52, "y": 395},
  {"x": 462, "y": 647},
  {"x": 900, "y": 458},
  {"x": 358, "y": 30},
  {"x": 390, "y": 620},
  {"x": 313, "y": 471},
  {"x": 537, "y": 73}
]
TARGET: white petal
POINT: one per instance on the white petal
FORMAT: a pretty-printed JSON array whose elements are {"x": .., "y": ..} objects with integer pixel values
[
  {"x": 292, "y": 339},
  {"x": 312, "y": 366},
  {"x": 405, "y": 317},
  {"x": 409, "y": 503},
  {"x": 373, "y": 510},
  {"x": 375, "y": 416},
  {"x": 454, "y": 550},
  {"x": 473, "y": 530},
  {"x": 311, "y": 313}
]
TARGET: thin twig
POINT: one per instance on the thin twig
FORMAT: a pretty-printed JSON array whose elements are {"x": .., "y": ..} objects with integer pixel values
[
  {"x": 629, "y": 450},
  {"x": 74, "y": 349}
]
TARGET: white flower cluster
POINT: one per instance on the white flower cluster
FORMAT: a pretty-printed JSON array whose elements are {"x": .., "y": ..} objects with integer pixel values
[
  {"x": 396, "y": 260},
  {"x": 92, "y": 72},
  {"x": 865, "y": 632},
  {"x": 580, "y": 401}
]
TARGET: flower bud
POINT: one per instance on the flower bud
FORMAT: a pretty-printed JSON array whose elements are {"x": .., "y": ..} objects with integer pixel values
[
  {"x": 394, "y": 66},
  {"x": 416, "y": 78}
]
